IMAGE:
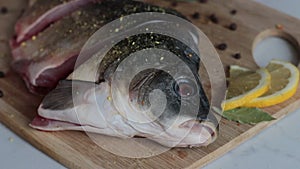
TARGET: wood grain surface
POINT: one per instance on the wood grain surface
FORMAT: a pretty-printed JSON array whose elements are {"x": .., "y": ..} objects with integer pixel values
[{"x": 76, "y": 150}]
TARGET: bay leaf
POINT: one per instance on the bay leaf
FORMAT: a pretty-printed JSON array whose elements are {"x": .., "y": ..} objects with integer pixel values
[{"x": 247, "y": 115}]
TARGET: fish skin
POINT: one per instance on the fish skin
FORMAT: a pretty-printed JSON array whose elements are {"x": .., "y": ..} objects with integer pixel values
[
  {"x": 143, "y": 41},
  {"x": 81, "y": 24},
  {"x": 151, "y": 40},
  {"x": 63, "y": 117},
  {"x": 41, "y": 14},
  {"x": 155, "y": 79},
  {"x": 83, "y": 117},
  {"x": 57, "y": 47},
  {"x": 41, "y": 123},
  {"x": 34, "y": 11}
]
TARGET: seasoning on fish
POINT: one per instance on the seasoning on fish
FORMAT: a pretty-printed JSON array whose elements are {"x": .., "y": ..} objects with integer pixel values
[
  {"x": 57, "y": 108},
  {"x": 50, "y": 56},
  {"x": 42, "y": 13}
]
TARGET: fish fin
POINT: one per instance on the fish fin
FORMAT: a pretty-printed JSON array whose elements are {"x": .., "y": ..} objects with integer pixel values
[
  {"x": 45, "y": 124},
  {"x": 62, "y": 96},
  {"x": 49, "y": 125}
]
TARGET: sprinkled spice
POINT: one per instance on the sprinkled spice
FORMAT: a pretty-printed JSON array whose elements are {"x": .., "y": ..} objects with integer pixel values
[
  {"x": 3, "y": 10},
  {"x": 233, "y": 12},
  {"x": 213, "y": 18},
  {"x": 222, "y": 46},
  {"x": 196, "y": 15},
  {"x": 203, "y": 1},
  {"x": 237, "y": 56},
  {"x": 109, "y": 98},
  {"x": 279, "y": 26},
  {"x": 232, "y": 26},
  {"x": 2, "y": 74},
  {"x": 1, "y": 93}
]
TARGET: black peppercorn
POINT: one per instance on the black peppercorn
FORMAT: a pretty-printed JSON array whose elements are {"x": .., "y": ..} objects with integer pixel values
[
  {"x": 233, "y": 12},
  {"x": 213, "y": 18},
  {"x": 232, "y": 26},
  {"x": 222, "y": 46},
  {"x": 196, "y": 15},
  {"x": 202, "y": 1},
  {"x": 3, "y": 10},
  {"x": 237, "y": 56},
  {"x": 2, "y": 74}
]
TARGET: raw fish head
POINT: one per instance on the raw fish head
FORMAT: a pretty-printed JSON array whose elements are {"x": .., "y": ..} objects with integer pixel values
[
  {"x": 144, "y": 84},
  {"x": 166, "y": 104},
  {"x": 155, "y": 86}
]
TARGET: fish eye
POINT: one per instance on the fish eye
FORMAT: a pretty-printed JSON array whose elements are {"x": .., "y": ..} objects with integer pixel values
[{"x": 185, "y": 87}]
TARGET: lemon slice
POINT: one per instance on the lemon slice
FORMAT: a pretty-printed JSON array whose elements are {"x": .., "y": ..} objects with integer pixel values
[
  {"x": 245, "y": 85},
  {"x": 284, "y": 84}
]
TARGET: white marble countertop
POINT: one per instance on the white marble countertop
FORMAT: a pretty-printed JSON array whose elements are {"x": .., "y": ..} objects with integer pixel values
[{"x": 276, "y": 147}]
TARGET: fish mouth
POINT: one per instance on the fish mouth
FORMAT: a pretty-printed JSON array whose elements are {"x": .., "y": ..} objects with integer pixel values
[{"x": 200, "y": 133}]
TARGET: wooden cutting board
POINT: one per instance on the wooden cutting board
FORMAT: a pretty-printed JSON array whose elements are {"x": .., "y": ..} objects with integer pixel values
[{"x": 76, "y": 150}]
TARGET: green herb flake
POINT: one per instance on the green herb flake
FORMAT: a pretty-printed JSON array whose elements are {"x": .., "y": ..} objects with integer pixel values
[{"x": 247, "y": 115}]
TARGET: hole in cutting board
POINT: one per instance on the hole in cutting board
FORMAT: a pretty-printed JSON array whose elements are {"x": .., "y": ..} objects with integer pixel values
[{"x": 275, "y": 44}]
